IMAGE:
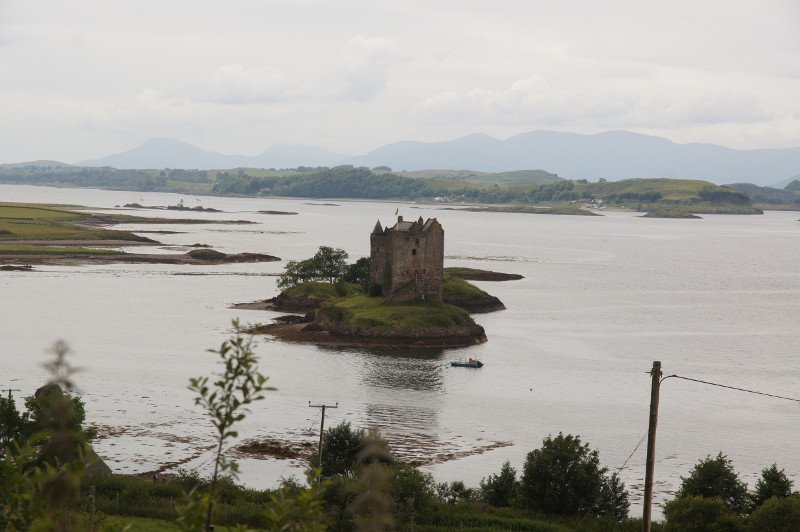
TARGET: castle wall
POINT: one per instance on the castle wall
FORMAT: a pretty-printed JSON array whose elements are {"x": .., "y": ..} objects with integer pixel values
[
  {"x": 434, "y": 262},
  {"x": 409, "y": 261},
  {"x": 378, "y": 258}
]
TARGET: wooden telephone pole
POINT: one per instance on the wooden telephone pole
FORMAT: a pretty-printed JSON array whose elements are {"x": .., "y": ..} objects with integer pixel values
[
  {"x": 651, "y": 446},
  {"x": 9, "y": 390},
  {"x": 321, "y": 432}
]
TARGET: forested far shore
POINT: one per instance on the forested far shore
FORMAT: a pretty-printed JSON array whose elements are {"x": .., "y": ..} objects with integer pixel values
[{"x": 532, "y": 187}]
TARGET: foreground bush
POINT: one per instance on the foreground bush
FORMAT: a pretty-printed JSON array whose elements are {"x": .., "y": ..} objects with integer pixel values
[
  {"x": 778, "y": 514},
  {"x": 716, "y": 478},
  {"x": 700, "y": 514},
  {"x": 564, "y": 477}
]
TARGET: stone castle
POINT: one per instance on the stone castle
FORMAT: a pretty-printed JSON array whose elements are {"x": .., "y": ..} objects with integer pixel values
[{"x": 407, "y": 260}]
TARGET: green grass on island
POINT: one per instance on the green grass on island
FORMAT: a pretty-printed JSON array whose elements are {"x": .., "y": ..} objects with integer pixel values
[
  {"x": 363, "y": 312},
  {"x": 455, "y": 287},
  {"x": 452, "y": 287},
  {"x": 320, "y": 290},
  {"x": 30, "y": 222}
]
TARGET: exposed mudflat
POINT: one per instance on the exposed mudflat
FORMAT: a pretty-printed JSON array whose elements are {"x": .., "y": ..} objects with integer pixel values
[
  {"x": 265, "y": 304},
  {"x": 657, "y": 214},
  {"x": 524, "y": 209},
  {"x": 277, "y": 213},
  {"x": 21, "y": 268},
  {"x": 413, "y": 449},
  {"x": 198, "y": 208},
  {"x": 132, "y": 258},
  {"x": 104, "y": 219}
]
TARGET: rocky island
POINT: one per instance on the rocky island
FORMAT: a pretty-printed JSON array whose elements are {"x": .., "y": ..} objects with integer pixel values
[{"x": 401, "y": 296}]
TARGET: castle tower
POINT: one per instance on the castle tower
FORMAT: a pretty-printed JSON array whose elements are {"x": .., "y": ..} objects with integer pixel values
[{"x": 407, "y": 260}]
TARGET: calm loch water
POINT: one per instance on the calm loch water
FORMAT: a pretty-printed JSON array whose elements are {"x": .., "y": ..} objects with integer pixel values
[{"x": 715, "y": 299}]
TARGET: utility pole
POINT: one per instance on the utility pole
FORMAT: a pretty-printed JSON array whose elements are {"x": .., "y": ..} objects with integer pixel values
[
  {"x": 321, "y": 432},
  {"x": 655, "y": 373},
  {"x": 9, "y": 390}
]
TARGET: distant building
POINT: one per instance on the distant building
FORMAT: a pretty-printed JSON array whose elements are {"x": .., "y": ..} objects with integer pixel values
[{"x": 407, "y": 260}]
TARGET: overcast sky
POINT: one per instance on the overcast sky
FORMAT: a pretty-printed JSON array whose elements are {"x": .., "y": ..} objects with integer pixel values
[{"x": 82, "y": 79}]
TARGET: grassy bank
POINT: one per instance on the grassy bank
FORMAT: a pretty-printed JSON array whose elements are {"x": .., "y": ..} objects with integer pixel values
[
  {"x": 456, "y": 287},
  {"x": 141, "y": 504},
  {"x": 452, "y": 286},
  {"x": 320, "y": 290},
  {"x": 362, "y": 312},
  {"x": 24, "y": 221}
]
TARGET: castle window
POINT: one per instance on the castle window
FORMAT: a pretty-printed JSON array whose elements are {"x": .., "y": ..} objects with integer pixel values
[
  {"x": 413, "y": 251},
  {"x": 416, "y": 241}
]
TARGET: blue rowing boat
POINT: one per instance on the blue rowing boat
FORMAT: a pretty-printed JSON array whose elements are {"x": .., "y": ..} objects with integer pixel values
[{"x": 471, "y": 363}]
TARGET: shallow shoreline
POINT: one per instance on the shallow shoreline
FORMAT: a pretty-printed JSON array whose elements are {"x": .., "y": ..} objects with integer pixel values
[
  {"x": 78, "y": 259},
  {"x": 310, "y": 333}
]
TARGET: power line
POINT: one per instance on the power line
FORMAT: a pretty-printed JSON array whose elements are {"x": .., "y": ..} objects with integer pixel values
[
  {"x": 322, "y": 406},
  {"x": 10, "y": 391},
  {"x": 288, "y": 463},
  {"x": 620, "y": 468},
  {"x": 731, "y": 387}
]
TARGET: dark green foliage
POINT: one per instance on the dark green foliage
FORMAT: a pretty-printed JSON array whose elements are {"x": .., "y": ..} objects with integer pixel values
[
  {"x": 341, "y": 447},
  {"x": 338, "y": 182},
  {"x": 55, "y": 424},
  {"x": 41, "y": 471},
  {"x": 346, "y": 450},
  {"x": 136, "y": 496},
  {"x": 327, "y": 264},
  {"x": 372, "y": 506},
  {"x": 86, "y": 177},
  {"x": 769, "y": 195},
  {"x": 206, "y": 254},
  {"x": 12, "y": 424},
  {"x": 500, "y": 490},
  {"x": 296, "y": 272},
  {"x": 724, "y": 195},
  {"x": 773, "y": 483},
  {"x": 456, "y": 518},
  {"x": 613, "y": 501},
  {"x": 359, "y": 273},
  {"x": 778, "y": 514},
  {"x": 295, "y": 508},
  {"x": 340, "y": 286},
  {"x": 350, "y": 182},
  {"x": 700, "y": 514},
  {"x": 454, "y": 492},
  {"x": 564, "y": 477},
  {"x": 715, "y": 477},
  {"x": 413, "y": 493}
]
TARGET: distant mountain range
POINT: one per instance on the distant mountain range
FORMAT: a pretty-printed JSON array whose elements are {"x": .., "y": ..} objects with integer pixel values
[
  {"x": 613, "y": 155},
  {"x": 171, "y": 153},
  {"x": 29, "y": 164}
]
